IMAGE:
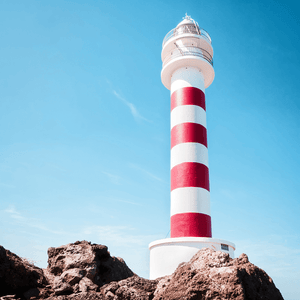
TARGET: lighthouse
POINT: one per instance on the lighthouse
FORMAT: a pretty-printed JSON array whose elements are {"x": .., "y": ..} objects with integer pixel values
[{"x": 187, "y": 70}]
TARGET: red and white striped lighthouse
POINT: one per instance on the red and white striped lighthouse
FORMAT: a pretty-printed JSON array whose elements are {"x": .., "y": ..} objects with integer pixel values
[
  {"x": 190, "y": 203},
  {"x": 187, "y": 57}
]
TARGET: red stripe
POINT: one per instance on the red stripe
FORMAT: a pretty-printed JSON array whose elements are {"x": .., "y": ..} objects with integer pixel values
[
  {"x": 188, "y": 133},
  {"x": 189, "y": 174},
  {"x": 188, "y": 96},
  {"x": 190, "y": 224}
]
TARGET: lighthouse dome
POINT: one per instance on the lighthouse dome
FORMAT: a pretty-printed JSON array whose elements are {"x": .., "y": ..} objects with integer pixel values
[
  {"x": 187, "y": 25},
  {"x": 186, "y": 20}
]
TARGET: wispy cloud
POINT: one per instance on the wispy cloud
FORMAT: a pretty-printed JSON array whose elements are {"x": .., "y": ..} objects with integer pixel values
[
  {"x": 121, "y": 235},
  {"x": 129, "y": 202},
  {"x": 272, "y": 255},
  {"x": 29, "y": 222},
  {"x": 11, "y": 210},
  {"x": 113, "y": 178},
  {"x": 149, "y": 174},
  {"x": 137, "y": 116}
]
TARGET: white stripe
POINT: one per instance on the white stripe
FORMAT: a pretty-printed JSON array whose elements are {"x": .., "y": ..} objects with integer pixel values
[
  {"x": 189, "y": 152},
  {"x": 190, "y": 199},
  {"x": 188, "y": 113},
  {"x": 187, "y": 77}
]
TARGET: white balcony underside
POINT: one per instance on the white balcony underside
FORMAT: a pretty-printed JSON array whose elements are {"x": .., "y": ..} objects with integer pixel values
[{"x": 197, "y": 62}]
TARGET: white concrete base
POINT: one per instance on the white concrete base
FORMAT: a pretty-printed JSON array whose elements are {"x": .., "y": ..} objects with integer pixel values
[{"x": 167, "y": 254}]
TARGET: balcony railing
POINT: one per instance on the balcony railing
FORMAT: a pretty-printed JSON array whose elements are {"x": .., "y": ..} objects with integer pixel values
[
  {"x": 185, "y": 30},
  {"x": 189, "y": 51}
]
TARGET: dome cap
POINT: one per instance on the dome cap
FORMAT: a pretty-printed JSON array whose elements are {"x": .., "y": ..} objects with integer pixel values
[
  {"x": 187, "y": 25},
  {"x": 187, "y": 20}
]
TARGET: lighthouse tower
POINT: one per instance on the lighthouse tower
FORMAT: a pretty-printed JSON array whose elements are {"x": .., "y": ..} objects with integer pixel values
[{"x": 187, "y": 57}]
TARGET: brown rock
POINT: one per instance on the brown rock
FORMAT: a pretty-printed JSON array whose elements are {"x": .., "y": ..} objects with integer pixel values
[
  {"x": 73, "y": 276},
  {"x": 17, "y": 275},
  {"x": 214, "y": 275},
  {"x": 32, "y": 293},
  {"x": 86, "y": 285},
  {"x": 83, "y": 296},
  {"x": 38, "y": 293},
  {"x": 133, "y": 288},
  {"x": 89, "y": 260},
  {"x": 61, "y": 287},
  {"x": 85, "y": 271}
]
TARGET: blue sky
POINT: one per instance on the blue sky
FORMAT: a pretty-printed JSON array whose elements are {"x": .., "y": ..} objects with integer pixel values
[{"x": 84, "y": 128}]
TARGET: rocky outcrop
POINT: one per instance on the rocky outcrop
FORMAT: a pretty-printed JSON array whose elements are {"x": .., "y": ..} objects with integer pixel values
[
  {"x": 83, "y": 267},
  {"x": 133, "y": 288},
  {"x": 214, "y": 275},
  {"x": 17, "y": 275},
  {"x": 85, "y": 271}
]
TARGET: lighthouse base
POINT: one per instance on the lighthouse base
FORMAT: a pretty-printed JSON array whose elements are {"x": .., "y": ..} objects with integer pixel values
[{"x": 167, "y": 254}]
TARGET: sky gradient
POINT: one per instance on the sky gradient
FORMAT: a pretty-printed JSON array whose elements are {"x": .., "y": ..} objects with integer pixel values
[{"x": 85, "y": 128}]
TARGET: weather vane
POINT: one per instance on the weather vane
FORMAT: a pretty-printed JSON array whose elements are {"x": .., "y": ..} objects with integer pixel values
[{"x": 187, "y": 17}]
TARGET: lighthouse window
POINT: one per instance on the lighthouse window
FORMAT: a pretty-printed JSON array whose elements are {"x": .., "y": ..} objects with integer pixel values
[{"x": 224, "y": 247}]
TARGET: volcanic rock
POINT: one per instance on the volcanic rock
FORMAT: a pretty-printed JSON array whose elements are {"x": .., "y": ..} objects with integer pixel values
[
  {"x": 85, "y": 271},
  {"x": 214, "y": 275},
  {"x": 17, "y": 275},
  {"x": 74, "y": 261},
  {"x": 83, "y": 267},
  {"x": 133, "y": 288}
]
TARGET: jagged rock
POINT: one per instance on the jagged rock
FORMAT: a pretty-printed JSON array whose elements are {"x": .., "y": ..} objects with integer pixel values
[
  {"x": 86, "y": 260},
  {"x": 17, "y": 275},
  {"x": 214, "y": 275},
  {"x": 61, "y": 287},
  {"x": 133, "y": 288},
  {"x": 85, "y": 271},
  {"x": 81, "y": 296},
  {"x": 73, "y": 276},
  {"x": 86, "y": 285}
]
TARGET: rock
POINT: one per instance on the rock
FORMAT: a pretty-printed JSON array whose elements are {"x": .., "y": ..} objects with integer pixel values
[
  {"x": 86, "y": 260},
  {"x": 133, "y": 288},
  {"x": 214, "y": 275},
  {"x": 110, "y": 296},
  {"x": 61, "y": 287},
  {"x": 32, "y": 293},
  {"x": 83, "y": 296},
  {"x": 17, "y": 275},
  {"x": 73, "y": 276},
  {"x": 85, "y": 271},
  {"x": 86, "y": 285},
  {"x": 38, "y": 293}
]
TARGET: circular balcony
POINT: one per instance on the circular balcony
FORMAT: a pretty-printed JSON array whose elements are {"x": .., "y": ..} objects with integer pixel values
[{"x": 188, "y": 51}]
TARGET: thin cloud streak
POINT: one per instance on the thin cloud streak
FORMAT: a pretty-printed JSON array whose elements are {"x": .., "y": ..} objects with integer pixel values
[
  {"x": 118, "y": 234},
  {"x": 129, "y": 202},
  {"x": 137, "y": 116},
  {"x": 113, "y": 178},
  {"x": 272, "y": 255},
  {"x": 14, "y": 213},
  {"x": 30, "y": 222},
  {"x": 146, "y": 172}
]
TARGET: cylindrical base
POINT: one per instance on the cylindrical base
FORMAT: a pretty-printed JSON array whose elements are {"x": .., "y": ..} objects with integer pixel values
[{"x": 167, "y": 254}]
